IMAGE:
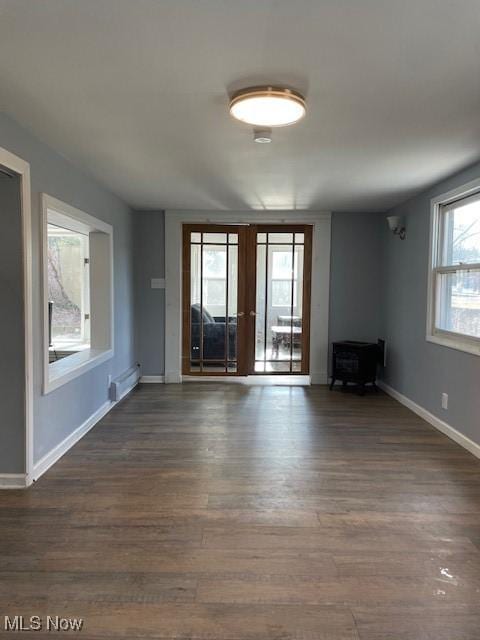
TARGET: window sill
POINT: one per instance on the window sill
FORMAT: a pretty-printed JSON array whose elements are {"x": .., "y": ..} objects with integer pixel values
[
  {"x": 67, "y": 369},
  {"x": 455, "y": 342}
]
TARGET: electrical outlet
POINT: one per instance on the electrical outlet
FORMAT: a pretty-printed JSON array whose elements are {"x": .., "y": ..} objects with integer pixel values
[{"x": 444, "y": 400}]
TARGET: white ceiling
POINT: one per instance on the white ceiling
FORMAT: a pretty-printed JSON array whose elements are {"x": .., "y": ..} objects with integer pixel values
[{"x": 136, "y": 93}]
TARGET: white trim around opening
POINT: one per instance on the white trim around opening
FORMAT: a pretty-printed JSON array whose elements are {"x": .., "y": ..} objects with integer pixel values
[
  {"x": 321, "y": 222},
  {"x": 101, "y": 293},
  {"x": 22, "y": 168}
]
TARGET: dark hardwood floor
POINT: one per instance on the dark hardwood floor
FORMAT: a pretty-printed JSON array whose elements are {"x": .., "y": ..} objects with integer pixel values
[{"x": 231, "y": 512}]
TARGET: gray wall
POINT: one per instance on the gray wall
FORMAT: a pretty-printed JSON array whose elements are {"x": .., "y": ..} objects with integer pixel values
[
  {"x": 355, "y": 301},
  {"x": 12, "y": 369},
  {"x": 356, "y": 277},
  {"x": 420, "y": 370},
  {"x": 149, "y": 243},
  {"x": 62, "y": 411}
]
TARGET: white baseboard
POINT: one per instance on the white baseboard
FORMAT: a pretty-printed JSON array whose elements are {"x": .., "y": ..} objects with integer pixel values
[
  {"x": 57, "y": 452},
  {"x": 439, "y": 424},
  {"x": 49, "y": 459},
  {"x": 13, "y": 480},
  {"x": 152, "y": 379}
]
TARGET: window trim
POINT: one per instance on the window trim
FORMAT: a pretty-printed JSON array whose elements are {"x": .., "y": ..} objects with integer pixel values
[
  {"x": 438, "y": 205},
  {"x": 59, "y": 373}
]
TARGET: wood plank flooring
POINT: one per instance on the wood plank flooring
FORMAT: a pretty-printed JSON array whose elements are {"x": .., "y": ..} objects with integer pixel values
[{"x": 230, "y": 512}]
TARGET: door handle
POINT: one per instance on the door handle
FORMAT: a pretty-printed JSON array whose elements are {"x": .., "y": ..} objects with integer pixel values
[
  {"x": 240, "y": 314},
  {"x": 253, "y": 313}
]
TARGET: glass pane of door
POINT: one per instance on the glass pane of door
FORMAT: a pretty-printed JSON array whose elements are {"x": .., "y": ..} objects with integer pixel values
[
  {"x": 213, "y": 301},
  {"x": 279, "y": 302}
]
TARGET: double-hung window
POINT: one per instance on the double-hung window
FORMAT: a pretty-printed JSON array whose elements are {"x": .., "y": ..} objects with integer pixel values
[{"x": 454, "y": 296}]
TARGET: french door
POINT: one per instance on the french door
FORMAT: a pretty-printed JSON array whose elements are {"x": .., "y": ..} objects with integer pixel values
[{"x": 246, "y": 299}]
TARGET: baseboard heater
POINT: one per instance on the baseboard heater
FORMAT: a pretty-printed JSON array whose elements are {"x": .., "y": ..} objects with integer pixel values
[{"x": 124, "y": 383}]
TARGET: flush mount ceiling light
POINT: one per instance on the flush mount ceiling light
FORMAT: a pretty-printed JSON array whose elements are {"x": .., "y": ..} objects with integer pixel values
[{"x": 268, "y": 106}]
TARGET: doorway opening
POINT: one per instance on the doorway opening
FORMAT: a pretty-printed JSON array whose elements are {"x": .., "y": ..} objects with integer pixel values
[
  {"x": 246, "y": 299},
  {"x": 17, "y": 463}
]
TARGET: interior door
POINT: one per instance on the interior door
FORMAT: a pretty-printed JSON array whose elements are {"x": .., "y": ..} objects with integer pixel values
[
  {"x": 214, "y": 320},
  {"x": 246, "y": 299},
  {"x": 279, "y": 300}
]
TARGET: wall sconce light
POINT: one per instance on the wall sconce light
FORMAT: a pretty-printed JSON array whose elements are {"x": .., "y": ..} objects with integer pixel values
[{"x": 397, "y": 225}]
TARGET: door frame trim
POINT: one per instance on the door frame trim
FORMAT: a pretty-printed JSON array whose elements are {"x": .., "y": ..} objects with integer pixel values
[
  {"x": 320, "y": 299},
  {"x": 22, "y": 168}
]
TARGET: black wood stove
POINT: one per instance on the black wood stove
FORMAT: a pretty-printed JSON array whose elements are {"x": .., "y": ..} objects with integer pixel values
[{"x": 355, "y": 362}]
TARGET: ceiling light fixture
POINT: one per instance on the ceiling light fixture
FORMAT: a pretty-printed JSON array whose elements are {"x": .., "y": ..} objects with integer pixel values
[{"x": 268, "y": 106}]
